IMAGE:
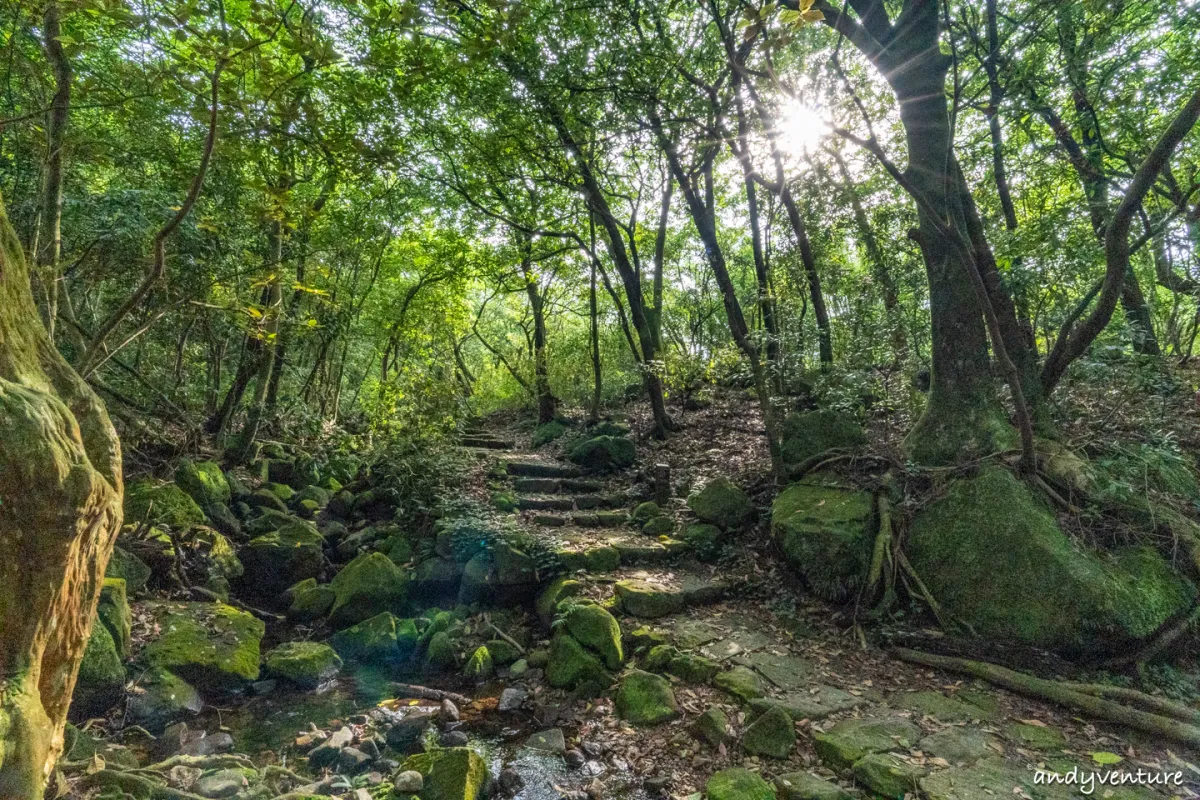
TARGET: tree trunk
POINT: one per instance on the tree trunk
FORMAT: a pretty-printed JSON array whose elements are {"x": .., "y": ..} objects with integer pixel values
[
  {"x": 50, "y": 245},
  {"x": 546, "y": 402},
  {"x": 245, "y": 444},
  {"x": 597, "y": 374},
  {"x": 61, "y": 487}
]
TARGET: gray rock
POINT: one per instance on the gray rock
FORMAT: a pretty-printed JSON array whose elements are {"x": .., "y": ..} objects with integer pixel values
[
  {"x": 454, "y": 739},
  {"x": 410, "y": 782},
  {"x": 449, "y": 711},
  {"x": 351, "y": 760},
  {"x": 406, "y": 732},
  {"x": 510, "y": 782},
  {"x": 326, "y": 753},
  {"x": 202, "y": 745},
  {"x": 548, "y": 741},
  {"x": 574, "y": 758},
  {"x": 222, "y": 783},
  {"x": 512, "y": 698}
]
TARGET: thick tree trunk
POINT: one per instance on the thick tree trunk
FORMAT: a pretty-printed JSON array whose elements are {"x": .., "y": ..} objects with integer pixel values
[
  {"x": 50, "y": 244},
  {"x": 60, "y": 510}
]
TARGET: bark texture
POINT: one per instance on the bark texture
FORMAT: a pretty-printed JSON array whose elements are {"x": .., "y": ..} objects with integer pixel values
[{"x": 60, "y": 510}]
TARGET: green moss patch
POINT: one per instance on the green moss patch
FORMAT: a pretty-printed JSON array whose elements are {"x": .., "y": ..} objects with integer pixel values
[
  {"x": 161, "y": 504},
  {"x": 212, "y": 645},
  {"x": 723, "y": 504},
  {"x": 646, "y": 699},
  {"x": 825, "y": 533},
  {"x": 306, "y": 664},
  {"x": 367, "y": 585}
]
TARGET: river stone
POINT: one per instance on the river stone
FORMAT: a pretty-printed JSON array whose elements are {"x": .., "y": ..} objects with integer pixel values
[
  {"x": 306, "y": 664},
  {"x": 741, "y": 682},
  {"x": 849, "y": 740},
  {"x": 452, "y": 773},
  {"x": 712, "y": 727},
  {"x": 367, "y": 585},
  {"x": 824, "y": 534},
  {"x": 646, "y": 699},
  {"x": 773, "y": 735},
  {"x": 408, "y": 781},
  {"x": 211, "y": 645},
  {"x": 595, "y": 628},
  {"x": 723, "y": 504},
  {"x": 382, "y": 639},
  {"x": 101, "y": 681},
  {"x": 479, "y": 666},
  {"x": 994, "y": 557},
  {"x": 738, "y": 784},
  {"x": 283, "y": 557},
  {"x": 548, "y": 741},
  {"x": 158, "y": 698},
  {"x": 128, "y": 567},
  {"x": 803, "y": 786},
  {"x": 958, "y": 744},
  {"x": 643, "y": 599},
  {"x": 204, "y": 482},
  {"x": 888, "y": 775}
]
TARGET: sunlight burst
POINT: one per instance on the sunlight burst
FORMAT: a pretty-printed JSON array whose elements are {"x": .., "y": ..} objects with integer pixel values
[{"x": 801, "y": 127}]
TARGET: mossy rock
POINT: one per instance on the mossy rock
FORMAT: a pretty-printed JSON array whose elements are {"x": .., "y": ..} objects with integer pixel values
[
  {"x": 595, "y": 558},
  {"x": 723, "y": 504},
  {"x": 888, "y": 776},
  {"x": 502, "y": 652},
  {"x": 505, "y": 502},
  {"x": 659, "y": 526},
  {"x": 204, "y": 482},
  {"x": 368, "y": 584},
  {"x": 314, "y": 494},
  {"x": 712, "y": 727},
  {"x": 276, "y": 560},
  {"x": 451, "y": 773},
  {"x": 803, "y": 786},
  {"x": 825, "y": 533},
  {"x": 382, "y": 639},
  {"x": 809, "y": 433},
  {"x": 1036, "y": 737},
  {"x": 738, "y": 784},
  {"x": 440, "y": 653},
  {"x": 959, "y": 744},
  {"x": 772, "y": 735},
  {"x": 555, "y": 592},
  {"x": 266, "y": 499},
  {"x": 849, "y": 740},
  {"x": 161, "y": 504},
  {"x": 603, "y": 453},
  {"x": 113, "y": 612},
  {"x": 646, "y": 699},
  {"x": 691, "y": 668},
  {"x": 595, "y": 628},
  {"x": 642, "y": 599},
  {"x": 938, "y": 706},
  {"x": 129, "y": 568},
  {"x": 741, "y": 682},
  {"x": 158, "y": 698},
  {"x": 479, "y": 666},
  {"x": 211, "y": 645},
  {"x": 644, "y": 512},
  {"x": 216, "y": 551},
  {"x": 310, "y": 601},
  {"x": 608, "y": 428},
  {"x": 995, "y": 558},
  {"x": 571, "y": 665},
  {"x": 306, "y": 664},
  {"x": 548, "y": 432},
  {"x": 101, "y": 681},
  {"x": 704, "y": 539}
]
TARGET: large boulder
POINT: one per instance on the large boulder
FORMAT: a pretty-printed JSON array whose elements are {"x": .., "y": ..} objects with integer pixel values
[
  {"x": 994, "y": 557},
  {"x": 723, "y": 504},
  {"x": 212, "y": 645},
  {"x": 204, "y": 482},
  {"x": 367, "y": 585},
  {"x": 215, "y": 556},
  {"x": 382, "y": 639},
  {"x": 825, "y": 533},
  {"x": 572, "y": 666},
  {"x": 602, "y": 453},
  {"x": 646, "y": 699},
  {"x": 738, "y": 784},
  {"x": 101, "y": 681},
  {"x": 158, "y": 698},
  {"x": 810, "y": 433},
  {"x": 595, "y": 628},
  {"x": 450, "y": 773},
  {"x": 161, "y": 504},
  {"x": 283, "y": 557},
  {"x": 129, "y": 568},
  {"x": 306, "y": 664}
]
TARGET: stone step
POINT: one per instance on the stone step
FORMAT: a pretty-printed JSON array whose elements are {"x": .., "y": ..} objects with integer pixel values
[
  {"x": 651, "y": 599},
  {"x": 541, "y": 469},
  {"x": 556, "y": 486},
  {"x": 489, "y": 444},
  {"x": 585, "y": 502},
  {"x": 545, "y": 503},
  {"x": 599, "y": 519}
]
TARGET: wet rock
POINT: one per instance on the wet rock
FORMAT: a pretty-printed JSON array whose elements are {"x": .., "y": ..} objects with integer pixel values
[
  {"x": 211, "y": 645},
  {"x": 574, "y": 758},
  {"x": 712, "y": 727},
  {"x": 848, "y": 741},
  {"x": 738, "y": 784},
  {"x": 646, "y": 699},
  {"x": 454, "y": 739},
  {"x": 382, "y": 639},
  {"x": 326, "y": 754},
  {"x": 281, "y": 558},
  {"x": 548, "y": 741},
  {"x": 159, "y": 697},
  {"x": 352, "y": 760},
  {"x": 410, "y": 782},
  {"x": 803, "y": 786},
  {"x": 221, "y": 783},
  {"x": 773, "y": 735},
  {"x": 454, "y": 773},
  {"x": 510, "y": 782},
  {"x": 306, "y": 664},
  {"x": 449, "y": 711},
  {"x": 512, "y": 698},
  {"x": 367, "y": 585},
  {"x": 128, "y": 567},
  {"x": 723, "y": 504},
  {"x": 406, "y": 732}
]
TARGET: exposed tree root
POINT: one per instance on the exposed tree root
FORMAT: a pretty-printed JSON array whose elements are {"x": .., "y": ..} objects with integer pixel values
[
  {"x": 135, "y": 784},
  {"x": 1061, "y": 693},
  {"x": 425, "y": 693}
]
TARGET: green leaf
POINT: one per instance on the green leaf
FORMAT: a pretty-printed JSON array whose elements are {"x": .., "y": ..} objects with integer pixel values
[{"x": 1106, "y": 759}]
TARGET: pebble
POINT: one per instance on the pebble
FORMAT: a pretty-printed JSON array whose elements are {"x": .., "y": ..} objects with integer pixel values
[
  {"x": 656, "y": 784},
  {"x": 574, "y": 758},
  {"x": 592, "y": 749},
  {"x": 454, "y": 739},
  {"x": 548, "y": 741},
  {"x": 512, "y": 698},
  {"x": 408, "y": 782},
  {"x": 511, "y": 782},
  {"x": 352, "y": 760},
  {"x": 449, "y": 711}
]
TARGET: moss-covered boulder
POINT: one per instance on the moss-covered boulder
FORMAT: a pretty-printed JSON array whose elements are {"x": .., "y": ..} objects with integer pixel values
[
  {"x": 216, "y": 555},
  {"x": 440, "y": 653},
  {"x": 772, "y": 735},
  {"x": 809, "y": 433},
  {"x": 382, "y": 639},
  {"x": 571, "y": 665},
  {"x": 848, "y": 741},
  {"x": 741, "y": 682},
  {"x": 129, "y": 568},
  {"x": 825, "y": 533},
  {"x": 646, "y": 699},
  {"x": 595, "y": 628},
  {"x": 158, "y": 698},
  {"x": 480, "y": 666},
  {"x": 995, "y": 558},
  {"x": 738, "y": 784},
  {"x": 450, "y": 773},
  {"x": 276, "y": 560},
  {"x": 161, "y": 504},
  {"x": 803, "y": 786},
  {"x": 646, "y": 511},
  {"x": 204, "y": 482},
  {"x": 602, "y": 453},
  {"x": 211, "y": 645},
  {"x": 113, "y": 612},
  {"x": 712, "y": 727},
  {"x": 719, "y": 502},
  {"x": 659, "y": 526},
  {"x": 306, "y": 664},
  {"x": 308, "y": 600},
  {"x": 368, "y": 584},
  {"x": 643, "y": 599},
  {"x": 888, "y": 776},
  {"x": 555, "y": 592},
  {"x": 547, "y": 432},
  {"x": 704, "y": 539},
  {"x": 101, "y": 681}
]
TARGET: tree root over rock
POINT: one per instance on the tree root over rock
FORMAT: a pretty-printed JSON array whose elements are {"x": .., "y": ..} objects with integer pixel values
[{"x": 1079, "y": 697}]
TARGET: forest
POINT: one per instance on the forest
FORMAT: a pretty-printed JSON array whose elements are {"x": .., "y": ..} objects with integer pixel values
[{"x": 588, "y": 399}]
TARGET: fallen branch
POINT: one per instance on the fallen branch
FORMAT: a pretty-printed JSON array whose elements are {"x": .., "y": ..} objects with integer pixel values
[
  {"x": 233, "y": 601},
  {"x": 202, "y": 762},
  {"x": 425, "y": 693},
  {"x": 503, "y": 635},
  {"x": 1060, "y": 693},
  {"x": 1156, "y": 705}
]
